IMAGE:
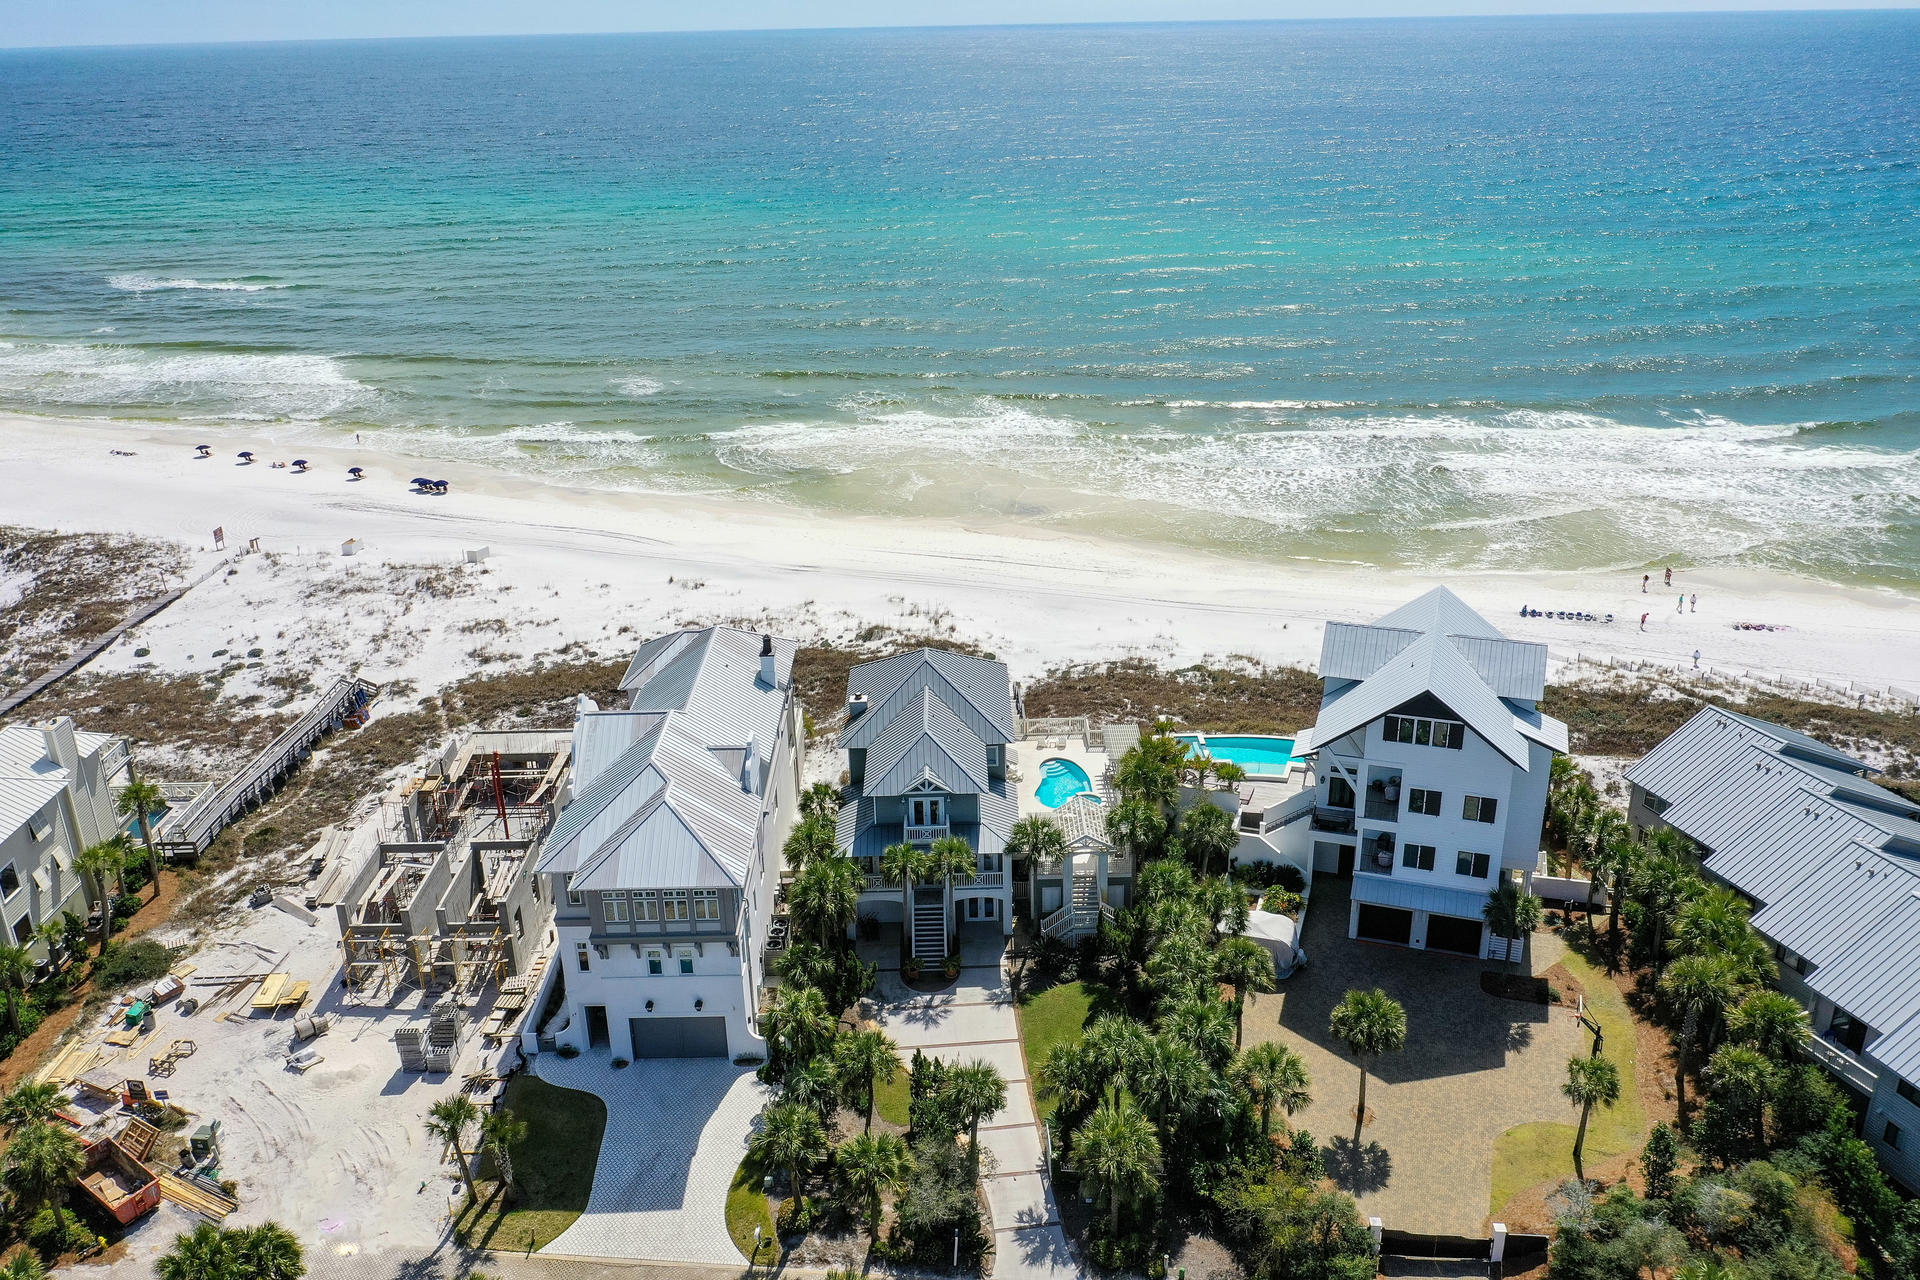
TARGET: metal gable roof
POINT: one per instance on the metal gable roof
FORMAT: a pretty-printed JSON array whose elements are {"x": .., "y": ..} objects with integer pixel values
[
  {"x": 1898, "y": 1051},
  {"x": 1082, "y": 818},
  {"x": 713, "y": 676},
  {"x": 1511, "y": 668},
  {"x": 1428, "y": 665},
  {"x": 602, "y": 737},
  {"x": 1794, "y": 740},
  {"x": 1439, "y": 610},
  {"x": 22, "y": 797},
  {"x": 926, "y": 738},
  {"x": 971, "y": 687},
  {"x": 1412, "y": 895},
  {"x": 1822, "y": 914},
  {"x": 1878, "y": 979}
]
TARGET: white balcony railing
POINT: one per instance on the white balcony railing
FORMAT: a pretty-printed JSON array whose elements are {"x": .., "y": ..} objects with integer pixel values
[
  {"x": 1843, "y": 1064},
  {"x": 927, "y": 835},
  {"x": 878, "y": 884},
  {"x": 983, "y": 880}
]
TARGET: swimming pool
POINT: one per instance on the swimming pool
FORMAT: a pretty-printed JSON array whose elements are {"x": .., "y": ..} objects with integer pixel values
[
  {"x": 1261, "y": 755},
  {"x": 1060, "y": 781}
]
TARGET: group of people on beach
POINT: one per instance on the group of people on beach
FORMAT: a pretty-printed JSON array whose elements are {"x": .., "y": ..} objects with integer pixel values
[{"x": 1680, "y": 604}]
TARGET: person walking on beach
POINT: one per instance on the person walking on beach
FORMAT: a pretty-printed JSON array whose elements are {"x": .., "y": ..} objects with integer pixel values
[
  {"x": 1696, "y": 659},
  {"x": 1643, "y": 622},
  {"x": 1680, "y": 605},
  {"x": 1693, "y": 603},
  {"x": 1645, "y": 578},
  {"x": 1669, "y": 577}
]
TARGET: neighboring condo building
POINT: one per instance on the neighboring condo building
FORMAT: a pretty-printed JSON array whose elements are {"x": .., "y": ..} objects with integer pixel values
[
  {"x": 926, "y": 743},
  {"x": 1430, "y": 762},
  {"x": 1831, "y": 863},
  {"x": 664, "y": 866},
  {"x": 58, "y": 788}
]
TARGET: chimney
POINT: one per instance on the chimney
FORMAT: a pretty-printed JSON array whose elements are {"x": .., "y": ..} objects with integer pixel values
[
  {"x": 583, "y": 705},
  {"x": 768, "y": 663},
  {"x": 62, "y": 748},
  {"x": 856, "y": 703}
]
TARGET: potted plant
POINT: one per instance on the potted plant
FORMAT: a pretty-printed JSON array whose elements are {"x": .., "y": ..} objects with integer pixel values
[
  {"x": 952, "y": 966},
  {"x": 910, "y": 969}
]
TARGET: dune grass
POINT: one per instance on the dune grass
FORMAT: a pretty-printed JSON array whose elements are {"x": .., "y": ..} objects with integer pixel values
[{"x": 1530, "y": 1154}]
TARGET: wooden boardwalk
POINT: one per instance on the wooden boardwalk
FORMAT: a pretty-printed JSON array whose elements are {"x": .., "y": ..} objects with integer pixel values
[
  {"x": 188, "y": 836},
  {"x": 99, "y": 645}
]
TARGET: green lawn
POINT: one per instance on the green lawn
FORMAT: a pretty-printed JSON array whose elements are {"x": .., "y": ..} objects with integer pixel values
[
  {"x": 747, "y": 1208},
  {"x": 553, "y": 1168},
  {"x": 1529, "y": 1154},
  {"x": 890, "y": 1101},
  {"x": 1055, "y": 1017}
]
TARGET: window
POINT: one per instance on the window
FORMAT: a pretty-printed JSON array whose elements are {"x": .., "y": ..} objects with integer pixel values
[
  {"x": 993, "y": 753},
  {"x": 1473, "y": 864},
  {"x": 1891, "y": 1135},
  {"x": 1790, "y": 959},
  {"x": 9, "y": 881},
  {"x": 1418, "y": 856},
  {"x": 1339, "y": 793},
  {"x": 646, "y": 905},
  {"x": 1479, "y": 809},
  {"x": 22, "y": 930},
  {"x": 686, "y": 962},
  {"x": 613, "y": 908},
  {"x": 41, "y": 827},
  {"x": 706, "y": 904},
  {"x": 1422, "y": 732},
  {"x": 519, "y": 924},
  {"x": 580, "y": 956},
  {"x": 574, "y": 897},
  {"x": 676, "y": 904},
  {"x": 925, "y": 811},
  {"x": 1420, "y": 800},
  {"x": 1907, "y": 1091},
  {"x": 654, "y": 963}
]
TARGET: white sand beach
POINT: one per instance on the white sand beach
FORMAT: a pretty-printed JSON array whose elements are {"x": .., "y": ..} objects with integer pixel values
[{"x": 602, "y": 569}]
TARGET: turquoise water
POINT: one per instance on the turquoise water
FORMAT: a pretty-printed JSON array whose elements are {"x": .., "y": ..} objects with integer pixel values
[
  {"x": 1473, "y": 294},
  {"x": 1060, "y": 781},
  {"x": 1267, "y": 756}
]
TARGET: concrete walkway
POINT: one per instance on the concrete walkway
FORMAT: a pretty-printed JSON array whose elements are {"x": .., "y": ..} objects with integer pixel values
[
  {"x": 974, "y": 1020},
  {"x": 677, "y": 1129}
]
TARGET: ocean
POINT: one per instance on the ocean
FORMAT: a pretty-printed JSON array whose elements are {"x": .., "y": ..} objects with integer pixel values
[{"x": 1487, "y": 295}]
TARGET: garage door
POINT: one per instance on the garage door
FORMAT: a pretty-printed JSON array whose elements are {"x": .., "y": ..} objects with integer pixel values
[
  {"x": 678, "y": 1037},
  {"x": 1452, "y": 933},
  {"x": 1385, "y": 924}
]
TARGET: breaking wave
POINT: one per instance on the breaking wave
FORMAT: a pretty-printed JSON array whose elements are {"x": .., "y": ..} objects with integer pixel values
[
  {"x": 133, "y": 283},
  {"x": 245, "y": 386}
]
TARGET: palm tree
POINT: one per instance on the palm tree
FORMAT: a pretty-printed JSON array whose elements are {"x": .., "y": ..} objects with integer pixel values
[
  {"x": 1150, "y": 772},
  {"x": 205, "y": 1253},
  {"x": 867, "y": 1059},
  {"x": 821, "y": 800},
  {"x": 1699, "y": 990},
  {"x": 798, "y": 1025},
  {"x": 1038, "y": 839},
  {"x": 268, "y": 1252},
  {"x": 1772, "y": 1022},
  {"x": 141, "y": 801},
  {"x": 1275, "y": 1076},
  {"x": 976, "y": 1092},
  {"x": 811, "y": 838},
  {"x": 1370, "y": 1023},
  {"x": 16, "y": 966},
  {"x": 41, "y": 1163},
  {"x": 867, "y": 1167},
  {"x": 1511, "y": 913},
  {"x": 814, "y": 1084},
  {"x": 1205, "y": 1023},
  {"x": 1741, "y": 1079},
  {"x": 792, "y": 1139},
  {"x": 1621, "y": 863},
  {"x": 447, "y": 1123},
  {"x": 1590, "y": 1080},
  {"x": 100, "y": 864},
  {"x": 1072, "y": 1078},
  {"x": 1181, "y": 967},
  {"x": 827, "y": 896},
  {"x": 31, "y": 1102},
  {"x": 1136, "y": 825},
  {"x": 1169, "y": 1080},
  {"x": 1247, "y": 967},
  {"x": 904, "y": 865},
  {"x": 1207, "y": 833},
  {"x": 24, "y": 1265},
  {"x": 1115, "y": 1045},
  {"x": 1118, "y": 1154},
  {"x": 500, "y": 1132}
]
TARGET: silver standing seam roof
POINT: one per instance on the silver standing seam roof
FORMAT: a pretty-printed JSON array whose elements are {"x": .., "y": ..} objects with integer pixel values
[
  {"x": 926, "y": 741},
  {"x": 29, "y": 776},
  {"x": 976, "y": 690}
]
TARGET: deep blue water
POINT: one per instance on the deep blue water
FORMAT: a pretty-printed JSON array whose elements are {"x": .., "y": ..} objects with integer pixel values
[{"x": 1476, "y": 293}]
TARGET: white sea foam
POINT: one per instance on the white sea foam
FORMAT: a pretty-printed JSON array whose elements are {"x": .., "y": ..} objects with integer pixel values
[
  {"x": 638, "y": 387},
  {"x": 134, "y": 283},
  {"x": 267, "y": 385}
]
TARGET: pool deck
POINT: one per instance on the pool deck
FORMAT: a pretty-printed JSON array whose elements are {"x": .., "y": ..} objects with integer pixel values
[{"x": 1031, "y": 753}]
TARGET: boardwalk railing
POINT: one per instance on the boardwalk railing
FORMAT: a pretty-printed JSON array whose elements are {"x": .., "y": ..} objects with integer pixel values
[{"x": 189, "y": 835}]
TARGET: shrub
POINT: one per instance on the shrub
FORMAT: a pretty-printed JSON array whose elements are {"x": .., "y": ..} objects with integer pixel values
[
  {"x": 1262, "y": 874},
  {"x": 126, "y": 963},
  {"x": 567, "y": 1051},
  {"x": 52, "y": 1235},
  {"x": 1282, "y": 902}
]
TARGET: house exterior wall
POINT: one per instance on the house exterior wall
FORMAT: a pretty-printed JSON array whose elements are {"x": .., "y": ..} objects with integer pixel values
[
  {"x": 82, "y": 814},
  {"x": 1902, "y": 1162}
]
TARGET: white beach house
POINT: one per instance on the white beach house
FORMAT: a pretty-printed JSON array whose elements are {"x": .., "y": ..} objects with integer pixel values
[
  {"x": 57, "y": 791},
  {"x": 664, "y": 865},
  {"x": 1430, "y": 761},
  {"x": 1831, "y": 863}
]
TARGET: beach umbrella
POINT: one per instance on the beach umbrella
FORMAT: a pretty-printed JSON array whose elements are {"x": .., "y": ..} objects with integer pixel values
[
  {"x": 441, "y": 485},
  {"x": 299, "y": 462},
  {"x": 420, "y": 482},
  {"x": 246, "y": 453},
  {"x": 355, "y": 472}
]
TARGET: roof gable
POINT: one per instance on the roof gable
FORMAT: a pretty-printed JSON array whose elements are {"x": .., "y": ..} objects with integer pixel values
[
  {"x": 977, "y": 690},
  {"x": 926, "y": 740}
]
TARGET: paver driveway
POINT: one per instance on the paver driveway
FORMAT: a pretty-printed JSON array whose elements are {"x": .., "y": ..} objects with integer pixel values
[
  {"x": 677, "y": 1129},
  {"x": 973, "y": 1020},
  {"x": 1474, "y": 1066}
]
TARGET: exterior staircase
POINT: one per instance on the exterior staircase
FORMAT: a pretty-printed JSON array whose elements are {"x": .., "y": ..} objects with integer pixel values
[
  {"x": 1081, "y": 915},
  {"x": 930, "y": 927}
]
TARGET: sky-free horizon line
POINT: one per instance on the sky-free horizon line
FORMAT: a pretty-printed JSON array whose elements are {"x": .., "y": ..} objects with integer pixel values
[{"x": 204, "y": 20}]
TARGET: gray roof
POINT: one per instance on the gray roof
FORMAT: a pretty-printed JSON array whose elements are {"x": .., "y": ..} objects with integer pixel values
[
  {"x": 926, "y": 742},
  {"x": 977, "y": 690},
  {"x": 1823, "y": 914},
  {"x": 713, "y": 675},
  {"x": 29, "y": 777},
  {"x": 1083, "y": 820},
  {"x": 1899, "y": 1050},
  {"x": 1440, "y": 611},
  {"x": 1432, "y": 664},
  {"x": 1511, "y": 668},
  {"x": 1414, "y": 895},
  {"x": 1878, "y": 979}
]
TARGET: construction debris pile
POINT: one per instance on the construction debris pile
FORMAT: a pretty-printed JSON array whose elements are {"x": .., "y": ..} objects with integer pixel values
[{"x": 433, "y": 1045}]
